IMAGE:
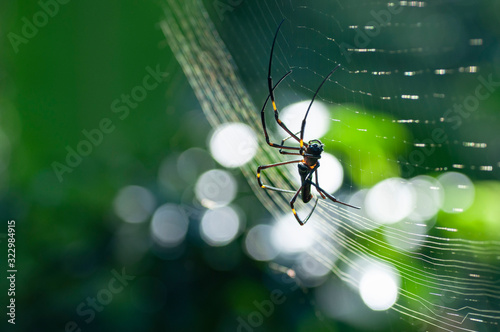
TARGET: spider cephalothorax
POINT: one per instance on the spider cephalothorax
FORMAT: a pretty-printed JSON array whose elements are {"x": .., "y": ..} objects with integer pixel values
[
  {"x": 313, "y": 152},
  {"x": 310, "y": 152}
]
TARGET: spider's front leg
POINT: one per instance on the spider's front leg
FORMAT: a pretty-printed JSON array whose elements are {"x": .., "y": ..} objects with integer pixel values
[
  {"x": 263, "y": 119},
  {"x": 271, "y": 87}
]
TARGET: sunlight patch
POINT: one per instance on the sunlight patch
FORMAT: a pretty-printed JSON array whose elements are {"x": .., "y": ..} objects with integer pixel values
[
  {"x": 233, "y": 144},
  {"x": 318, "y": 120},
  {"x": 390, "y": 200}
]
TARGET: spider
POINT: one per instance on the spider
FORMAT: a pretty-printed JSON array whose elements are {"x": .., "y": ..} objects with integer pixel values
[{"x": 310, "y": 151}]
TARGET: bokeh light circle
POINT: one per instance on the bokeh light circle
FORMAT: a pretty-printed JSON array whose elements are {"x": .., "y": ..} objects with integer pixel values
[
  {"x": 215, "y": 188},
  {"x": 318, "y": 120},
  {"x": 219, "y": 226},
  {"x": 134, "y": 204},
  {"x": 259, "y": 245},
  {"x": 192, "y": 162},
  {"x": 459, "y": 192},
  {"x": 390, "y": 201},
  {"x": 378, "y": 288},
  {"x": 233, "y": 144},
  {"x": 330, "y": 173},
  {"x": 310, "y": 269},
  {"x": 291, "y": 238},
  {"x": 429, "y": 196},
  {"x": 169, "y": 225}
]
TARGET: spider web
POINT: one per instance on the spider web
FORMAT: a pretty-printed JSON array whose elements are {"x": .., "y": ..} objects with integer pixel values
[{"x": 413, "y": 65}]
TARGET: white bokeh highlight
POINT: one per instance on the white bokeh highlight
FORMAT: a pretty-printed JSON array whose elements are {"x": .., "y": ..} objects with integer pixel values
[
  {"x": 291, "y": 238},
  {"x": 134, "y": 204},
  {"x": 317, "y": 123},
  {"x": 215, "y": 188},
  {"x": 169, "y": 225},
  {"x": 390, "y": 201},
  {"x": 259, "y": 245},
  {"x": 219, "y": 226},
  {"x": 459, "y": 192},
  {"x": 429, "y": 197},
  {"x": 379, "y": 288},
  {"x": 330, "y": 173},
  {"x": 358, "y": 199},
  {"x": 233, "y": 144},
  {"x": 311, "y": 271}
]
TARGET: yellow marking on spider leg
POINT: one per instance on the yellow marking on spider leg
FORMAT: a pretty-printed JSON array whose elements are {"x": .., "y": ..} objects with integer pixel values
[
  {"x": 258, "y": 175},
  {"x": 293, "y": 210},
  {"x": 301, "y": 143},
  {"x": 263, "y": 187},
  {"x": 274, "y": 106}
]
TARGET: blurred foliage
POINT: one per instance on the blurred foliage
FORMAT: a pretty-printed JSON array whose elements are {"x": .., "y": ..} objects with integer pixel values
[
  {"x": 381, "y": 138},
  {"x": 481, "y": 221}
]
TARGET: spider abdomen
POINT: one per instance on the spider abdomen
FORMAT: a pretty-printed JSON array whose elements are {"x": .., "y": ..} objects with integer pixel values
[{"x": 305, "y": 172}]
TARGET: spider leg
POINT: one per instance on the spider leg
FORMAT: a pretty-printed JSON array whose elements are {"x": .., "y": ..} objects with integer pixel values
[
  {"x": 317, "y": 185},
  {"x": 292, "y": 205},
  {"x": 263, "y": 186},
  {"x": 302, "y": 129},
  {"x": 263, "y": 118},
  {"x": 271, "y": 88},
  {"x": 286, "y": 139},
  {"x": 306, "y": 181},
  {"x": 332, "y": 197},
  {"x": 286, "y": 152}
]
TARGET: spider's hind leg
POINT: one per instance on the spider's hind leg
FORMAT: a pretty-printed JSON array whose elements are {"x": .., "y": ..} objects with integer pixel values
[
  {"x": 332, "y": 198},
  {"x": 295, "y": 214},
  {"x": 317, "y": 185}
]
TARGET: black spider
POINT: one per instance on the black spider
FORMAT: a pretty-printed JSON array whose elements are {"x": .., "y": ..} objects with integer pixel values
[{"x": 310, "y": 151}]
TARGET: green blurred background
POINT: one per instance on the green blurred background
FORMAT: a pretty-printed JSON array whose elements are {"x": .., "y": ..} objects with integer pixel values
[{"x": 69, "y": 239}]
